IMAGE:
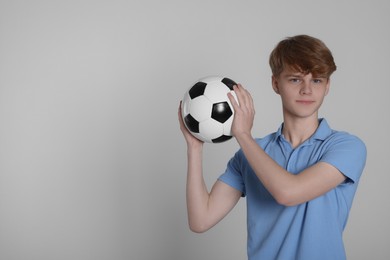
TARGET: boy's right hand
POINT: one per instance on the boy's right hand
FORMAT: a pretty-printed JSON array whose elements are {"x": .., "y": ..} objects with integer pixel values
[{"x": 191, "y": 140}]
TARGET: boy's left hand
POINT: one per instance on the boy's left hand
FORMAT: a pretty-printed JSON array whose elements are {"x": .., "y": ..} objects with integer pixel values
[{"x": 244, "y": 112}]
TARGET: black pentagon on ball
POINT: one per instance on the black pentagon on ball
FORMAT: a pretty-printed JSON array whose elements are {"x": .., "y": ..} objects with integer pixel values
[
  {"x": 191, "y": 123},
  {"x": 221, "y": 139},
  {"x": 229, "y": 83},
  {"x": 197, "y": 90},
  {"x": 221, "y": 112}
]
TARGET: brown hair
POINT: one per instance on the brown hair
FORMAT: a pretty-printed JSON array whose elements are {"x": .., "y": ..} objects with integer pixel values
[{"x": 302, "y": 53}]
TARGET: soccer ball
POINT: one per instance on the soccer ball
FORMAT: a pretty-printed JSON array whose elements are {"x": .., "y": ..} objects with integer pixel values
[{"x": 206, "y": 109}]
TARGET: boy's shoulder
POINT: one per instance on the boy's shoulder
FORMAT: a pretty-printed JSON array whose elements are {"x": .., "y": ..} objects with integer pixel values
[{"x": 344, "y": 137}]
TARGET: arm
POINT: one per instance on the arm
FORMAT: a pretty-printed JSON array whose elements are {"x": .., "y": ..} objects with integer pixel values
[
  {"x": 205, "y": 209},
  {"x": 287, "y": 189}
]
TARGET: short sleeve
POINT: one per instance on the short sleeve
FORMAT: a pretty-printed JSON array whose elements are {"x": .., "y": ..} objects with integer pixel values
[
  {"x": 348, "y": 154},
  {"x": 233, "y": 175}
]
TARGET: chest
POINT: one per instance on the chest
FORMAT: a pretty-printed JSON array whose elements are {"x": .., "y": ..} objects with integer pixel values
[{"x": 294, "y": 160}]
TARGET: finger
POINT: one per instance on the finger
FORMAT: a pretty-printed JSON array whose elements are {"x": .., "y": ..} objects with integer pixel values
[
  {"x": 179, "y": 114},
  {"x": 179, "y": 109},
  {"x": 239, "y": 91},
  {"x": 244, "y": 97},
  {"x": 233, "y": 101},
  {"x": 249, "y": 100}
]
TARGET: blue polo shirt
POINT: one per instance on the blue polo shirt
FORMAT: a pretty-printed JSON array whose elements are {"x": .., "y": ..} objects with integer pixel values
[{"x": 312, "y": 230}]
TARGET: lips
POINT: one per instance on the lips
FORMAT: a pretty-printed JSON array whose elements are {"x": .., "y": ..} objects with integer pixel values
[{"x": 305, "y": 102}]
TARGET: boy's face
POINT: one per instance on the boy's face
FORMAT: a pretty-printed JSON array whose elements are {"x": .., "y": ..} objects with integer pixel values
[{"x": 301, "y": 94}]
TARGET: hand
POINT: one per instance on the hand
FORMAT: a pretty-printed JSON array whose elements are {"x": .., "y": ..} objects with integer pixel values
[
  {"x": 190, "y": 139},
  {"x": 244, "y": 112}
]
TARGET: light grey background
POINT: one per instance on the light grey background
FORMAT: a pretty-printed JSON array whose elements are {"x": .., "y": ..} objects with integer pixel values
[{"x": 92, "y": 162}]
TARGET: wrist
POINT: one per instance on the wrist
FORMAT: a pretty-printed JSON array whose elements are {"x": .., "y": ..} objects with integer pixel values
[
  {"x": 244, "y": 138},
  {"x": 194, "y": 147}
]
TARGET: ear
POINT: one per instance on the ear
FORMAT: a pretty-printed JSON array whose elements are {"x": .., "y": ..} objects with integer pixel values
[
  {"x": 275, "y": 84},
  {"x": 327, "y": 87}
]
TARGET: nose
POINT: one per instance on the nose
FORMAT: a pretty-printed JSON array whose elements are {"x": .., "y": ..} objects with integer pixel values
[{"x": 306, "y": 88}]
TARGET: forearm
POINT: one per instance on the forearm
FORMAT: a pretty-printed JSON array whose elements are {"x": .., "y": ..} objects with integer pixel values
[
  {"x": 277, "y": 180},
  {"x": 197, "y": 193},
  {"x": 289, "y": 189},
  {"x": 204, "y": 208}
]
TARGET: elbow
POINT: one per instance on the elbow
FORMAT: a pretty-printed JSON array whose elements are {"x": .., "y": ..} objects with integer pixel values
[
  {"x": 285, "y": 198},
  {"x": 286, "y": 202},
  {"x": 198, "y": 230},
  {"x": 198, "y": 227}
]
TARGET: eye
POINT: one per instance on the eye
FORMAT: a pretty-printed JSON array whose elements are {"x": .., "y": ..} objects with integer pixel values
[
  {"x": 318, "y": 81},
  {"x": 294, "y": 80}
]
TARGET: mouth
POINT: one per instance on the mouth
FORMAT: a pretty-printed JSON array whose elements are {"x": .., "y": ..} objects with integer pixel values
[{"x": 305, "y": 102}]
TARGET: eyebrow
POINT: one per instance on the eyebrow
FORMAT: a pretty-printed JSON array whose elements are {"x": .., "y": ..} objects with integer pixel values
[{"x": 298, "y": 74}]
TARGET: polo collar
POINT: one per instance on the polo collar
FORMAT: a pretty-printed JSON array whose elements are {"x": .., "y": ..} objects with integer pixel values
[{"x": 322, "y": 132}]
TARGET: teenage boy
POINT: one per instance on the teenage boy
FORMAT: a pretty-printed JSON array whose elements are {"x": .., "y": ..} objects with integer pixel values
[{"x": 299, "y": 182}]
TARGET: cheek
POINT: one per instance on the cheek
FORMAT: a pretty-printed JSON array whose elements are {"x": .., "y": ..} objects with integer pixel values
[
  {"x": 287, "y": 99},
  {"x": 287, "y": 95},
  {"x": 326, "y": 91},
  {"x": 322, "y": 93}
]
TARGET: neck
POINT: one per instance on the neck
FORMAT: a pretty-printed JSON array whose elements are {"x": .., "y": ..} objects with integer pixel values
[{"x": 299, "y": 130}]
